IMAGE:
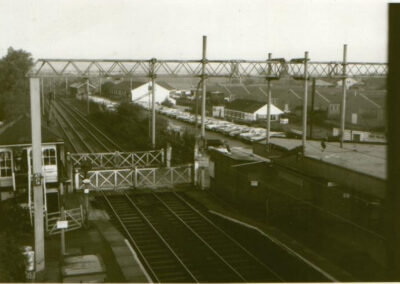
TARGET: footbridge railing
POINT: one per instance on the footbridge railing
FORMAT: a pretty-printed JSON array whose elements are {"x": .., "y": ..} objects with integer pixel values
[
  {"x": 121, "y": 179},
  {"x": 119, "y": 159}
]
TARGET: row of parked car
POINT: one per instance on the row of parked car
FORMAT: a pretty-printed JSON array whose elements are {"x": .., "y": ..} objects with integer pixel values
[{"x": 243, "y": 132}]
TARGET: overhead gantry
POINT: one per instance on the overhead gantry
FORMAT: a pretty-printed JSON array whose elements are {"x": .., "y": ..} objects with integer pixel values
[{"x": 153, "y": 69}]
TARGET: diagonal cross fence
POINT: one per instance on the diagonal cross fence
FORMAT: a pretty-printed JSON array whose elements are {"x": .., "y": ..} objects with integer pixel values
[
  {"x": 121, "y": 179},
  {"x": 119, "y": 159}
]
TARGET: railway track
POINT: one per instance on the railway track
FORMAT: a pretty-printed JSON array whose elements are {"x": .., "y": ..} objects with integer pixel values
[
  {"x": 177, "y": 243},
  {"x": 81, "y": 134}
]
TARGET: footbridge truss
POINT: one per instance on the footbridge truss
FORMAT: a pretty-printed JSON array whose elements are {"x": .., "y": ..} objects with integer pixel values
[{"x": 269, "y": 69}]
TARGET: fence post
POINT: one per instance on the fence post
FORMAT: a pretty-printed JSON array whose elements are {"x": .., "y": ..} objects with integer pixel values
[
  {"x": 116, "y": 160},
  {"x": 169, "y": 155},
  {"x": 115, "y": 179},
  {"x": 82, "y": 217},
  {"x": 76, "y": 179},
  {"x": 135, "y": 181}
]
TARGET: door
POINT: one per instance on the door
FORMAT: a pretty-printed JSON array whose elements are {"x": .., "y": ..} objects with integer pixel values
[
  {"x": 354, "y": 118},
  {"x": 357, "y": 137}
]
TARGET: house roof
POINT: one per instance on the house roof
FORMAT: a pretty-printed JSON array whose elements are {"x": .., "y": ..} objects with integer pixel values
[
  {"x": 18, "y": 132},
  {"x": 245, "y": 105}
]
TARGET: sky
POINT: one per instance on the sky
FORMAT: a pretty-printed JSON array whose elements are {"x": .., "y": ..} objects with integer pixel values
[{"x": 173, "y": 29}]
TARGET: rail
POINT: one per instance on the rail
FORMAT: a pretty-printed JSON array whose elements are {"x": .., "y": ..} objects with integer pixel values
[
  {"x": 147, "y": 259},
  {"x": 82, "y": 116}
]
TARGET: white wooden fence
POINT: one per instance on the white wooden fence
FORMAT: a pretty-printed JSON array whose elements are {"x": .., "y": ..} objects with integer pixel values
[
  {"x": 73, "y": 216},
  {"x": 139, "y": 177},
  {"x": 120, "y": 159}
]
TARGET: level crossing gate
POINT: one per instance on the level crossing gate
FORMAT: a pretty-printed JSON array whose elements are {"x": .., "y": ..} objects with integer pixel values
[
  {"x": 121, "y": 179},
  {"x": 73, "y": 216},
  {"x": 119, "y": 159}
]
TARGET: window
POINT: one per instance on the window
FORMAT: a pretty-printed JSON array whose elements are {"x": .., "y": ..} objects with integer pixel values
[
  {"x": 5, "y": 164},
  {"x": 49, "y": 157}
]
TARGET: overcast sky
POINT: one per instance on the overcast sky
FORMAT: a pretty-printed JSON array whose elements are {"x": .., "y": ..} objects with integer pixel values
[{"x": 173, "y": 29}]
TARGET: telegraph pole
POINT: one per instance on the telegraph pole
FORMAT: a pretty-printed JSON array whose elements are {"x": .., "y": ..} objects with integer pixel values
[
  {"x": 37, "y": 173},
  {"x": 203, "y": 101},
  {"x": 344, "y": 89},
  {"x": 269, "y": 103},
  {"x": 196, "y": 121},
  {"x": 305, "y": 101}
]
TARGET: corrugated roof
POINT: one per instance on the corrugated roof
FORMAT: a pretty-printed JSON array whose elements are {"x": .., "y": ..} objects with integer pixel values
[{"x": 19, "y": 133}]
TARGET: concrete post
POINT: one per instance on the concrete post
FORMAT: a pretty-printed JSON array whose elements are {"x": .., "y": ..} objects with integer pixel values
[
  {"x": 344, "y": 89},
  {"x": 62, "y": 218},
  {"x": 268, "y": 130},
  {"x": 153, "y": 112},
  {"x": 304, "y": 137},
  {"x": 204, "y": 85},
  {"x": 42, "y": 96},
  {"x": 37, "y": 173}
]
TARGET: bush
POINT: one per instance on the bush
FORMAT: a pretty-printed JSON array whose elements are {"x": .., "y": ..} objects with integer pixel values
[{"x": 15, "y": 231}]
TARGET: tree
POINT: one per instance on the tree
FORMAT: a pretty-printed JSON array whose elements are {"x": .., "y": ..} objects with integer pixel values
[{"x": 14, "y": 85}]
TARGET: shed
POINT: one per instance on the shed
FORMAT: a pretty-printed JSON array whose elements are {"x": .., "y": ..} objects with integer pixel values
[
  {"x": 142, "y": 93},
  {"x": 250, "y": 110},
  {"x": 79, "y": 88}
]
